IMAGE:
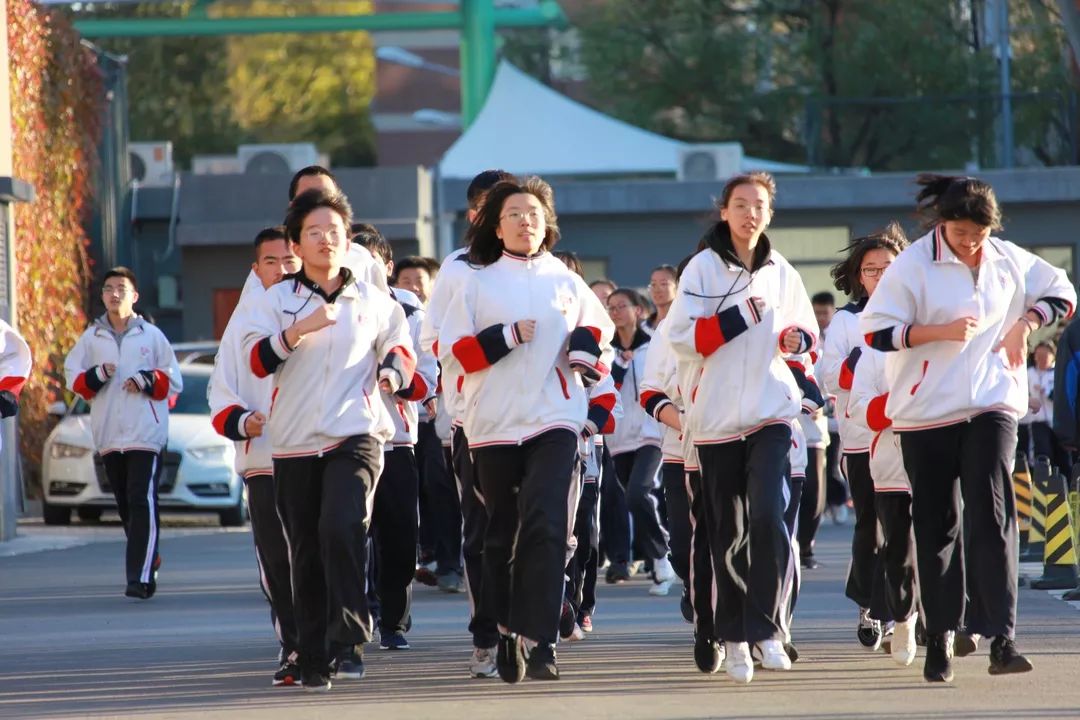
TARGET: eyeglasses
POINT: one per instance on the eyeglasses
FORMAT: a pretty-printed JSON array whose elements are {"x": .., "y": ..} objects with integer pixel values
[
  {"x": 333, "y": 232},
  {"x": 120, "y": 291},
  {"x": 534, "y": 216},
  {"x": 873, "y": 272}
]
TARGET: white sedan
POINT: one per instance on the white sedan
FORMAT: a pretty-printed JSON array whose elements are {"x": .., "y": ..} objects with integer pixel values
[{"x": 197, "y": 470}]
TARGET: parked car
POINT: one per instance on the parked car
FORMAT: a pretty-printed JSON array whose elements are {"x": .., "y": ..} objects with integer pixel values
[
  {"x": 197, "y": 469},
  {"x": 200, "y": 352}
]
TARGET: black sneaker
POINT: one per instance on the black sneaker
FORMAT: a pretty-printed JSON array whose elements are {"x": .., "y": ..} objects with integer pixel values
[
  {"x": 617, "y": 573},
  {"x": 1005, "y": 660},
  {"x": 139, "y": 590},
  {"x": 809, "y": 562},
  {"x": 393, "y": 641},
  {"x": 350, "y": 664},
  {"x": 707, "y": 655},
  {"x": 869, "y": 630},
  {"x": 315, "y": 682},
  {"x": 965, "y": 644},
  {"x": 541, "y": 664},
  {"x": 938, "y": 666},
  {"x": 567, "y": 620},
  {"x": 686, "y": 607},
  {"x": 287, "y": 675},
  {"x": 508, "y": 659}
]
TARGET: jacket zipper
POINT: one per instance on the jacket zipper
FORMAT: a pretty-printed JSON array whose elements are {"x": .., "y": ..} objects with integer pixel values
[{"x": 528, "y": 315}]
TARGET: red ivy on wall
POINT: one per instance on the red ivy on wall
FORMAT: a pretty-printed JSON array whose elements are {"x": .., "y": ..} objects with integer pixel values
[{"x": 56, "y": 104}]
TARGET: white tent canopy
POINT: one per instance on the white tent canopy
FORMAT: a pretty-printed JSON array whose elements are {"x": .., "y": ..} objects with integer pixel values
[{"x": 526, "y": 127}]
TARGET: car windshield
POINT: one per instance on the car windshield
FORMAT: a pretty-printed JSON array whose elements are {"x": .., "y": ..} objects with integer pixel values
[{"x": 191, "y": 401}]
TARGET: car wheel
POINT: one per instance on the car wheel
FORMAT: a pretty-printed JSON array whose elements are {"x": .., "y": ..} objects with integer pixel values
[
  {"x": 234, "y": 516},
  {"x": 56, "y": 514},
  {"x": 89, "y": 514}
]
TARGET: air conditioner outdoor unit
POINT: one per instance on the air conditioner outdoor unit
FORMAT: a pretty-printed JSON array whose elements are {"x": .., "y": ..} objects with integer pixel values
[
  {"x": 151, "y": 163},
  {"x": 276, "y": 159},
  {"x": 215, "y": 165},
  {"x": 710, "y": 162}
]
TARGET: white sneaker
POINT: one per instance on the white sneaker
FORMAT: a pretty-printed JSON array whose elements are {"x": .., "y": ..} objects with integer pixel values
[
  {"x": 773, "y": 655},
  {"x": 577, "y": 635},
  {"x": 903, "y": 641},
  {"x": 482, "y": 663},
  {"x": 738, "y": 664},
  {"x": 662, "y": 570},
  {"x": 660, "y": 589}
]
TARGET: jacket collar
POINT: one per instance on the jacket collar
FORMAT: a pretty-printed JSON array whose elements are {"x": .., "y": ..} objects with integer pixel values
[
  {"x": 135, "y": 324},
  {"x": 856, "y": 306},
  {"x": 523, "y": 258},
  {"x": 940, "y": 252},
  {"x": 346, "y": 289},
  {"x": 640, "y": 338},
  {"x": 719, "y": 240}
]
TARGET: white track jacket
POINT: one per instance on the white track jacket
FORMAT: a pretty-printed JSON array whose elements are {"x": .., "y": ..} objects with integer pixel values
[
  {"x": 121, "y": 420},
  {"x": 942, "y": 383},
  {"x": 514, "y": 391},
  {"x": 235, "y": 392},
  {"x": 745, "y": 383},
  {"x": 869, "y": 396},
  {"x": 326, "y": 389},
  {"x": 15, "y": 365}
]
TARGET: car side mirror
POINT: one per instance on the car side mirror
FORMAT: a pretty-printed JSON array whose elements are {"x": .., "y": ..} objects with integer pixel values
[{"x": 58, "y": 408}]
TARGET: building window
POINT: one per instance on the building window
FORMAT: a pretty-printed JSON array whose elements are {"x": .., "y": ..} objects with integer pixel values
[
  {"x": 1057, "y": 255},
  {"x": 594, "y": 268},
  {"x": 813, "y": 252}
]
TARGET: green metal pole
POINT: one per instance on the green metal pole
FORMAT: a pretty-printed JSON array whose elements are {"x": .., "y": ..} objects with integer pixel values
[
  {"x": 157, "y": 27},
  {"x": 477, "y": 56},
  {"x": 543, "y": 15}
]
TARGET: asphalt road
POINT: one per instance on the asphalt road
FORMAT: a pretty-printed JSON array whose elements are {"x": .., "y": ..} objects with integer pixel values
[{"x": 72, "y": 646}]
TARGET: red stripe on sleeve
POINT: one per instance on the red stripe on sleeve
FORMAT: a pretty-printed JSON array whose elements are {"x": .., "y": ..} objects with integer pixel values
[
  {"x": 12, "y": 384},
  {"x": 407, "y": 360},
  {"x": 847, "y": 377},
  {"x": 257, "y": 366},
  {"x": 606, "y": 401},
  {"x": 160, "y": 391},
  {"x": 648, "y": 395},
  {"x": 418, "y": 390},
  {"x": 875, "y": 413},
  {"x": 222, "y": 417},
  {"x": 708, "y": 337},
  {"x": 83, "y": 390},
  {"x": 468, "y": 352}
]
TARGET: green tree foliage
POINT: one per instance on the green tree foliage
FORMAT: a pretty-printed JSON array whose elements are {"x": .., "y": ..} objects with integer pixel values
[
  {"x": 176, "y": 85},
  {"x": 209, "y": 94},
  {"x": 886, "y": 85},
  {"x": 291, "y": 87}
]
